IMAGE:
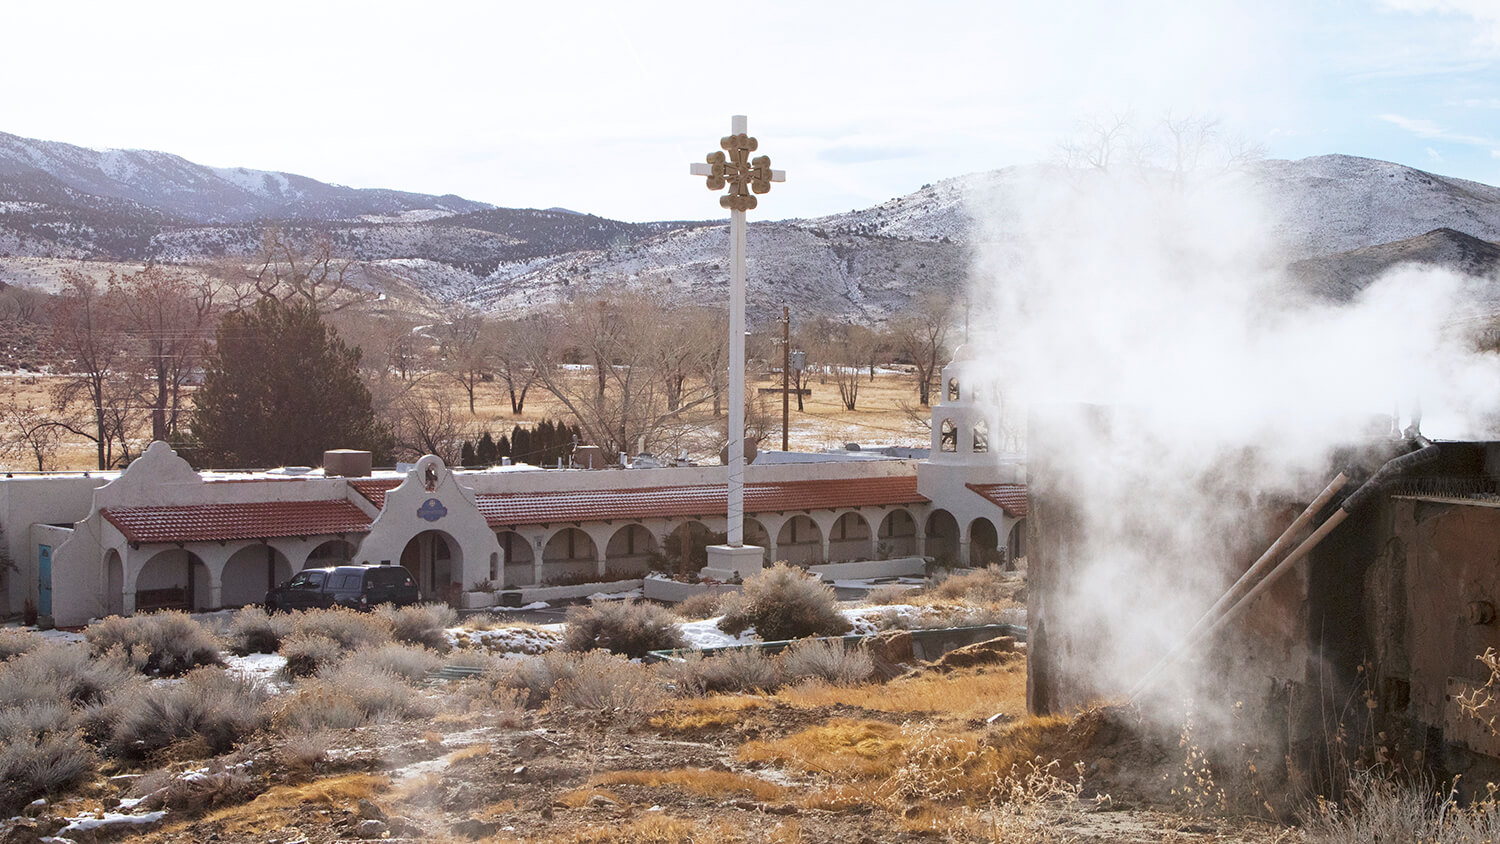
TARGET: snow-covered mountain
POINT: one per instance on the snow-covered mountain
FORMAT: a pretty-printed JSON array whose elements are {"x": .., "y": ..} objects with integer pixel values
[
  {"x": 62, "y": 204},
  {"x": 60, "y": 173}
]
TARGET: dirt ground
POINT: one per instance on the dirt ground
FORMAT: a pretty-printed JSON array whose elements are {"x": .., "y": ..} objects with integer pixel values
[{"x": 695, "y": 770}]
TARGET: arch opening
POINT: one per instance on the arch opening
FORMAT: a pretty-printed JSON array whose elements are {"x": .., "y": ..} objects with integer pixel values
[
  {"x": 942, "y": 538},
  {"x": 519, "y": 566},
  {"x": 629, "y": 552},
  {"x": 175, "y": 579},
  {"x": 435, "y": 560},
  {"x": 898, "y": 535},
  {"x": 569, "y": 557},
  {"x": 849, "y": 539},
  {"x": 800, "y": 541},
  {"x": 251, "y": 572},
  {"x": 984, "y": 544}
]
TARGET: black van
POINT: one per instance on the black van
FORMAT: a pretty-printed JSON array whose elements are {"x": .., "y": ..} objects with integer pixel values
[{"x": 357, "y": 587}]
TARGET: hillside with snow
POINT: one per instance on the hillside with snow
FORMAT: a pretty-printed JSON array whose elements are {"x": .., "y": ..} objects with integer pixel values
[{"x": 61, "y": 205}]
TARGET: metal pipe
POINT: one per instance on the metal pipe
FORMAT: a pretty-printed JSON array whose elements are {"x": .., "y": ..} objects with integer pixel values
[
  {"x": 1426, "y": 453},
  {"x": 1249, "y": 576}
]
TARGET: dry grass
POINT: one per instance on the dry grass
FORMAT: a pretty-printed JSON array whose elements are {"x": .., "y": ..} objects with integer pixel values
[
  {"x": 654, "y": 828},
  {"x": 708, "y": 783},
  {"x": 473, "y": 751},
  {"x": 261, "y": 815},
  {"x": 693, "y": 714},
  {"x": 967, "y": 694},
  {"x": 842, "y": 748},
  {"x": 580, "y": 797},
  {"x": 881, "y": 418}
]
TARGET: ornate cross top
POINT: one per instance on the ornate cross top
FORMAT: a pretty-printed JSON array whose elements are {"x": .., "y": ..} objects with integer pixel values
[{"x": 743, "y": 175}]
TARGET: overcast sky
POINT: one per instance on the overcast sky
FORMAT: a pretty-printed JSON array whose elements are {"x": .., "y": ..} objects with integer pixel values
[{"x": 600, "y": 107}]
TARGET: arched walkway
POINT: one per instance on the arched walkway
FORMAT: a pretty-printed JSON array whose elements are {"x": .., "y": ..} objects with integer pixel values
[
  {"x": 942, "y": 538},
  {"x": 1015, "y": 544},
  {"x": 173, "y": 579},
  {"x": 756, "y": 534},
  {"x": 800, "y": 542},
  {"x": 520, "y": 569},
  {"x": 628, "y": 552},
  {"x": 570, "y": 557},
  {"x": 849, "y": 539},
  {"x": 435, "y": 559},
  {"x": 898, "y": 535},
  {"x": 250, "y": 572},
  {"x": 686, "y": 547},
  {"x": 984, "y": 544}
]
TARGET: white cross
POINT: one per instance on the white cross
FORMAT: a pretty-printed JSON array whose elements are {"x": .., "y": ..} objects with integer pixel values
[{"x": 744, "y": 177}]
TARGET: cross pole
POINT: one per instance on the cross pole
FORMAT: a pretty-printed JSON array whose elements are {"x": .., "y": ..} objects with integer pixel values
[{"x": 744, "y": 177}]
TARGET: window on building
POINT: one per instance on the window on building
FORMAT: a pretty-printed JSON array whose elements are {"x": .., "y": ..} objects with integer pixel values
[{"x": 948, "y": 437}]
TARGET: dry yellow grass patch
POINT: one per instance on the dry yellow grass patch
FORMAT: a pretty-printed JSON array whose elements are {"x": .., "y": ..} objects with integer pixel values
[
  {"x": 580, "y": 797},
  {"x": 698, "y": 781},
  {"x": 703, "y": 713},
  {"x": 473, "y": 751},
  {"x": 260, "y": 814},
  {"x": 842, "y": 748},
  {"x": 969, "y": 694},
  {"x": 842, "y": 798},
  {"x": 653, "y": 828}
]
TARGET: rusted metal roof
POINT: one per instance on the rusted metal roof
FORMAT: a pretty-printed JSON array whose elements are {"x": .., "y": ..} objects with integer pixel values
[
  {"x": 1009, "y": 497},
  {"x": 526, "y": 508},
  {"x": 249, "y": 520}
]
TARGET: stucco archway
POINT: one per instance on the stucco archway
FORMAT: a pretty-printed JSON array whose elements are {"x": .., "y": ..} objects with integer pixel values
[
  {"x": 250, "y": 572},
  {"x": 173, "y": 579},
  {"x": 114, "y": 583},
  {"x": 436, "y": 560},
  {"x": 943, "y": 538},
  {"x": 629, "y": 550},
  {"x": 800, "y": 541},
  {"x": 984, "y": 544},
  {"x": 849, "y": 538},
  {"x": 898, "y": 535},
  {"x": 520, "y": 569},
  {"x": 570, "y": 556}
]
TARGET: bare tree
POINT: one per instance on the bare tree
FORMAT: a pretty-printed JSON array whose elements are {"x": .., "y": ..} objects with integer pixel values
[
  {"x": 30, "y": 430},
  {"x": 422, "y": 423},
  {"x": 171, "y": 319},
  {"x": 309, "y": 270},
  {"x": 512, "y": 351},
  {"x": 601, "y": 361},
  {"x": 848, "y": 350},
  {"x": 464, "y": 349},
  {"x": 87, "y": 327},
  {"x": 922, "y": 335}
]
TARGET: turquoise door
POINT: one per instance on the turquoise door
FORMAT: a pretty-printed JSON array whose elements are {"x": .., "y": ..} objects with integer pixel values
[{"x": 44, "y": 579}]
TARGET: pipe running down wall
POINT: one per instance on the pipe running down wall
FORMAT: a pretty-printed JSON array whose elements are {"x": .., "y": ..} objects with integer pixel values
[{"x": 1228, "y": 606}]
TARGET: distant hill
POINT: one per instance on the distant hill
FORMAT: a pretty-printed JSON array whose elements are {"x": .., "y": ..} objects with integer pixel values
[
  {"x": 1342, "y": 275},
  {"x": 1338, "y": 219}
]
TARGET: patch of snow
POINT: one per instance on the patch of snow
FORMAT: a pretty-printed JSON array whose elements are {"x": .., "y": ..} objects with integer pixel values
[
  {"x": 614, "y": 596},
  {"x": 86, "y": 823},
  {"x": 264, "y": 668},
  {"x": 706, "y": 634},
  {"x": 516, "y": 640}
]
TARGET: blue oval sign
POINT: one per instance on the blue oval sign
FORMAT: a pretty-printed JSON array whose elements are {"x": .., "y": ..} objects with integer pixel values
[{"x": 431, "y": 510}]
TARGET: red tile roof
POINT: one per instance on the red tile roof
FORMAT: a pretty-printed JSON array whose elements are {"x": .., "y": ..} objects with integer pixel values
[
  {"x": 1009, "y": 497},
  {"x": 375, "y": 489},
  {"x": 521, "y": 508},
  {"x": 251, "y": 520}
]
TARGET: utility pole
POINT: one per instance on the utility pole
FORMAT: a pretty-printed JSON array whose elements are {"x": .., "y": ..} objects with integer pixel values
[{"x": 786, "y": 370}]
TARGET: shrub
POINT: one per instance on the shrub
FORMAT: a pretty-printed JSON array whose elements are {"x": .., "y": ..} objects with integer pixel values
[
  {"x": 36, "y": 762},
  {"x": 404, "y": 661},
  {"x": 631, "y": 628},
  {"x": 167, "y": 644},
  {"x": 199, "y": 791},
  {"x": 990, "y": 585},
  {"x": 13, "y": 643},
  {"x": 252, "y": 631},
  {"x": 422, "y": 624},
  {"x": 350, "y": 629},
  {"x": 611, "y": 685},
  {"x": 783, "y": 602},
  {"x": 307, "y": 653},
  {"x": 700, "y": 606},
  {"x": 56, "y": 672},
  {"x": 828, "y": 660},
  {"x": 738, "y": 670},
  {"x": 378, "y": 694},
  {"x": 210, "y": 704},
  {"x": 314, "y": 707},
  {"x": 537, "y": 676}
]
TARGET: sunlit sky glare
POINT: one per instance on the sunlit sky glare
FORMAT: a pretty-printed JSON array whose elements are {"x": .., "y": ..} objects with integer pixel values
[{"x": 600, "y": 107}]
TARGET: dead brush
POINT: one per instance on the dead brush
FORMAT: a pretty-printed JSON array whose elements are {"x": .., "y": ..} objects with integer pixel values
[
  {"x": 991, "y": 585},
  {"x": 965, "y": 693},
  {"x": 826, "y": 660},
  {"x": 252, "y": 631},
  {"x": 166, "y": 644},
  {"x": 734, "y": 670},
  {"x": 843, "y": 748},
  {"x": 698, "y": 607},
  {"x": 421, "y": 624},
  {"x": 707, "y": 713},
  {"x": 783, "y": 602},
  {"x": 623, "y": 692},
  {"x": 632, "y": 628},
  {"x": 655, "y": 828}
]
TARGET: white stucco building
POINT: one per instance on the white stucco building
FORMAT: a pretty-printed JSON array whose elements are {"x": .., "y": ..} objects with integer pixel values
[{"x": 161, "y": 534}]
